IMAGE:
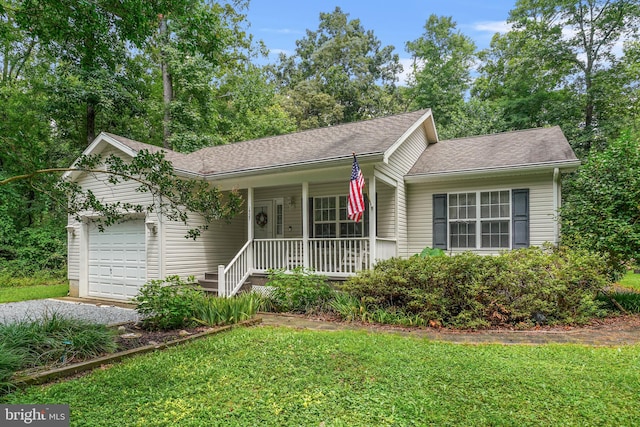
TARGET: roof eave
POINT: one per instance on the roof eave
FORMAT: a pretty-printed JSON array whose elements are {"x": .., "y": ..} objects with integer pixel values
[
  {"x": 99, "y": 140},
  {"x": 298, "y": 166},
  {"x": 430, "y": 131},
  {"x": 564, "y": 166}
]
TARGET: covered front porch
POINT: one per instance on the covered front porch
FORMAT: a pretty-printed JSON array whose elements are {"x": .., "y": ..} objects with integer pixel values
[{"x": 306, "y": 225}]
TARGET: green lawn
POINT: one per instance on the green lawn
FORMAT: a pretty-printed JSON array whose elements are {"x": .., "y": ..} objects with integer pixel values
[
  {"x": 23, "y": 293},
  {"x": 283, "y": 377},
  {"x": 631, "y": 280}
]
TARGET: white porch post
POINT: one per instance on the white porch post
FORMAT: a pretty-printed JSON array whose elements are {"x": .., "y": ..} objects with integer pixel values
[
  {"x": 250, "y": 229},
  {"x": 372, "y": 220},
  {"x": 557, "y": 186},
  {"x": 305, "y": 224},
  {"x": 222, "y": 286}
]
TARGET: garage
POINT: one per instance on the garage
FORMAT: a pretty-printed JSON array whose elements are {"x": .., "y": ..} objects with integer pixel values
[{"x": 117, "y": 260}]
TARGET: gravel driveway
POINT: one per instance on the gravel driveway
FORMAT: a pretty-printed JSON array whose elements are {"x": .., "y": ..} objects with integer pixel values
[{"x": 35, "y": 309}]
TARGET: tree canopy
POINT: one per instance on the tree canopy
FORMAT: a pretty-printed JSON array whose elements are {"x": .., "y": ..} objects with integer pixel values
[
  {"x": 442, "y": 63},
  {"x": 185, "y": 75},
  {"x": 342, "y": 71},
  {"x": 602, "y": 209}
]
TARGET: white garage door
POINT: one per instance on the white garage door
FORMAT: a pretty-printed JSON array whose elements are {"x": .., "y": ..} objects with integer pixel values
[{"x": 117, "y": 260}]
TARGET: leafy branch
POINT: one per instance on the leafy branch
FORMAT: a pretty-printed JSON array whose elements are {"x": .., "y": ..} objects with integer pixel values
[{"x": 173, "y": 197}]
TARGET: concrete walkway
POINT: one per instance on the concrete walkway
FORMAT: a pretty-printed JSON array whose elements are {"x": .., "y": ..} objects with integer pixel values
[{"x": 608, "y": 334}]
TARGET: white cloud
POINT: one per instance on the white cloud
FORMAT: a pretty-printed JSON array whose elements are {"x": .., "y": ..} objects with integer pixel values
[
  {"x": 277, "y": 52},
  {"x": 492, "y": 27},
  {"x": 281, "y": 31},
  {"x": 407, "y": 69}
]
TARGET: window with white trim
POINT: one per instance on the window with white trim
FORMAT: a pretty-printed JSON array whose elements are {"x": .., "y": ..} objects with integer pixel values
[
  {"x": 480, "y": 219},
  {"x": 330, "y": 219}
]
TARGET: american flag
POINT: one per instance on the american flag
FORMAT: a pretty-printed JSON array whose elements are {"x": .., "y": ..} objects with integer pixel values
[{"x": 356, "y": 199}]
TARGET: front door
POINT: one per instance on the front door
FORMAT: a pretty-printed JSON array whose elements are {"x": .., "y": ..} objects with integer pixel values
[{"x": 263, "y": 219}]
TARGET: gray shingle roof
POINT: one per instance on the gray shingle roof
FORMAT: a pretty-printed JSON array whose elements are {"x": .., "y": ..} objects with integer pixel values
[
  {"x": 367, "y": 137},
  {"x": 373, "y": 136},
  {"x": 501, "y": 150}
]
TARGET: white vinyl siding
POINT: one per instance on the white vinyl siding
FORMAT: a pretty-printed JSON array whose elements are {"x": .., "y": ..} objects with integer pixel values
[
  {"x": 124, "y": 192},
  {"x": 541, "y": 210},
  {"x": 386, "y": 203},
  {"x": 73, "y": 251},
  {"x": 217, "y": 245},
  {"x": 400, "y": 163}
]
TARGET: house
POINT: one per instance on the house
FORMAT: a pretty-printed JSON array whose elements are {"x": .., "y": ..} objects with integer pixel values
[{"x": 485, "y": 194}]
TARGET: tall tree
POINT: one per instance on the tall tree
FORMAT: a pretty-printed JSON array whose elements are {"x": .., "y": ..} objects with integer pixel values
[
  {"x": 346, "y": 62},
  {"x": 441, "y": 71},
  {"x": 212, "y": 94},
  {"x": 550, "y": 67},
  {"x": 602, "y": 212},
  {"x": 527, "y": 71},
  {"x": 90, "y": 41}
]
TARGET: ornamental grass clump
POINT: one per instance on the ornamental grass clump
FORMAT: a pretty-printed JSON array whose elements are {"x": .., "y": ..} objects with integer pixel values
[
  {"x": 215, "y": 311},
  {"x": 52, "y": 341}
]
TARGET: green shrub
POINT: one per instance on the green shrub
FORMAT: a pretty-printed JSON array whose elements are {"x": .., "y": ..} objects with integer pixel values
[
  {"x": 518, "y": 287},
  {"x": 167, "y": 304},
  {"x": 34, "y": 250},
  {"x": 298, "y": 291},
  {"x": 12, "y": 275},
  {"x": 213, "y": 311},
  {"x": 426, "y": 252}
]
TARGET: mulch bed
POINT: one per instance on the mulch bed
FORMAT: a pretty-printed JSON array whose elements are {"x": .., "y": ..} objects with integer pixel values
[
  {"x": 132, "y": 335},
  {"x": 611, "y": 323}
]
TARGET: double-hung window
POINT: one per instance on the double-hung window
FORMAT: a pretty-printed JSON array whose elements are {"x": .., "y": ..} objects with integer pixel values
[
  {"x": 330, "y": 219},
  {"x": 479, "y": 219}
]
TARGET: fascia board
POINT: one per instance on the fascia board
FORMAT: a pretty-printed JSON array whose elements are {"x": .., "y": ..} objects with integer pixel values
[
  {"x": 293, "y": 167},
  {"x": 420, "y": 122},
  {"x": 563, "y": 166},
  {"x": 96, "y": 147}
]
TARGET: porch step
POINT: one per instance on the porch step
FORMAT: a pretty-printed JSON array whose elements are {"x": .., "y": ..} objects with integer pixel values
[
  {"x": 209, "y": 285},
  {"x": 211, "y": 276}
]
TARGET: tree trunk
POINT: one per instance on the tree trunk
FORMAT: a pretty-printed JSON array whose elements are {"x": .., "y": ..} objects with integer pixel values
[
  {"x": 91, "y": 123},
  {"x": 167, "y": 85}
]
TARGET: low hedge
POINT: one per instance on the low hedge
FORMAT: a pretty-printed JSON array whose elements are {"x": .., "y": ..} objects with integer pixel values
[{"x": 520, "y": 287}]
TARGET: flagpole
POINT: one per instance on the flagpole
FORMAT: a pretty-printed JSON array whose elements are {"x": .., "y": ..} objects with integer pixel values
[{"x": 366, "y": 192}]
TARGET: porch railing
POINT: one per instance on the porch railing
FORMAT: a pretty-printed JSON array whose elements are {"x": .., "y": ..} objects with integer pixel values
[
  {"x": 334, "y": 257},
  {"x": 233, "y": 275},
  {"x": 277, "y": 253},
  {"x": 339, "y": 256}
]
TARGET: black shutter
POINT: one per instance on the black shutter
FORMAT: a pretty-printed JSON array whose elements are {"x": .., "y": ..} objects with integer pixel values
[
  {"x": 311, "y": 217},
  {"x": 520, "y": 207},
  {"x": 440, "y": 221}
]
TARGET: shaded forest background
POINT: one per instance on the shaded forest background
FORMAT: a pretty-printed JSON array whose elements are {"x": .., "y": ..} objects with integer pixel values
[{"x": 184, "y": 75}]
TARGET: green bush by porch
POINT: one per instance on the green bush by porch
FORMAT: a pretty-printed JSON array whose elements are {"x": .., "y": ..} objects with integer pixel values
[{"x": 521, "y": 287}]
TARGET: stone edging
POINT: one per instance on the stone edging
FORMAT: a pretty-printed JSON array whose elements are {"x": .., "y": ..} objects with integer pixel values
[{"x": 65, "y": 371}]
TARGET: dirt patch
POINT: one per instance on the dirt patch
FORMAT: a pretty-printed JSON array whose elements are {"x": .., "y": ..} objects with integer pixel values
[
  {"x": 132, "y": 335},
  {"x": 619, "y": 330},
  {"x": 613, "y": 323}
]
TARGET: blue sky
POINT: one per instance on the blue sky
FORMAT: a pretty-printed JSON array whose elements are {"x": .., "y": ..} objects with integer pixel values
[{"x": 279, "y": 23}]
